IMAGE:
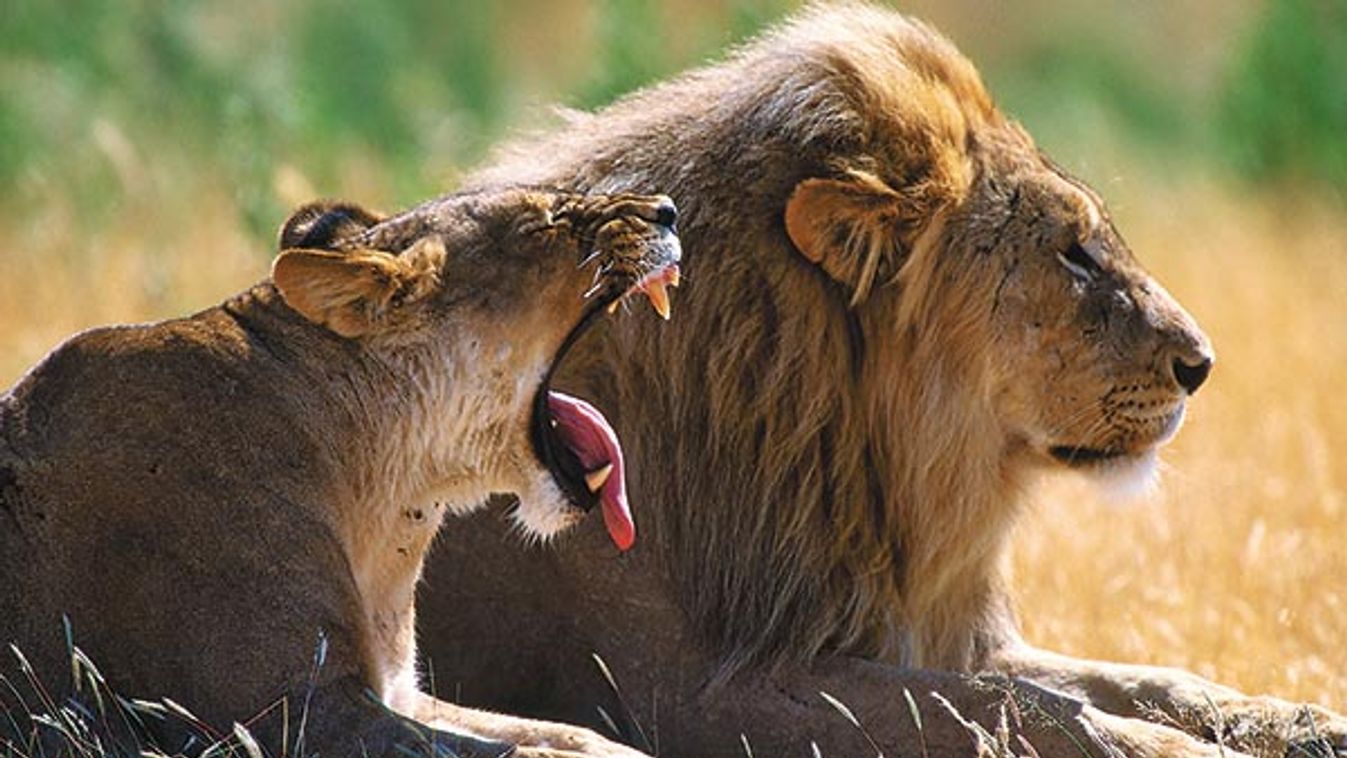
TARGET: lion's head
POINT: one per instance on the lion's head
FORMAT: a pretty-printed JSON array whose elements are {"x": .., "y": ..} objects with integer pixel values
[
  {"x": 503, "y": 282},
  {"x": 1017, "y": 274}
]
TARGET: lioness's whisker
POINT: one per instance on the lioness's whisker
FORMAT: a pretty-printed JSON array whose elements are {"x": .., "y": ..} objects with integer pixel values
[
  {"x": 595, "y": 287},
  {"x": 588, "y": 259}
]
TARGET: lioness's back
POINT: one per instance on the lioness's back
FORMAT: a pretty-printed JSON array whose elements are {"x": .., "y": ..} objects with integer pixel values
[{"x": 116, "y": 451}]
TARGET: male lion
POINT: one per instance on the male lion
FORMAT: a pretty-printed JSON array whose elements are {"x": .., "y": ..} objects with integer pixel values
[
  {"x": 899, "y": 312},
  {"x": 201, "y": 497}
]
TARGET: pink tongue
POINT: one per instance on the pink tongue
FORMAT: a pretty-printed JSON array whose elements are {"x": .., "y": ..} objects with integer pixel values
[{"x": 587, "y": 433}]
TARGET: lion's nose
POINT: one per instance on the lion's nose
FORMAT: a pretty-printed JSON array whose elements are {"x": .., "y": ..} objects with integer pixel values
[{"x": 1191, "y": 375}]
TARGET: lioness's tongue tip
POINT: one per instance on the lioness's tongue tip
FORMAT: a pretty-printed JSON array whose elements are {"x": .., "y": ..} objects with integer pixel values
[{"x": 617, "y": 518}]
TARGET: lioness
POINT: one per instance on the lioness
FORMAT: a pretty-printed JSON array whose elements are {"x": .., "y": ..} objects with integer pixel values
[
  {"x": 899, "y": 312},
  {"x": 202, "y": 497}
]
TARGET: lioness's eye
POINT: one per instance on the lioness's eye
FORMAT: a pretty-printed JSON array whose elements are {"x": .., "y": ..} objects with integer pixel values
[{"x": 1079, "y": 262}]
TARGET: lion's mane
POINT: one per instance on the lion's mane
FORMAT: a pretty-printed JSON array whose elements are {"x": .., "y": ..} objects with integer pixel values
[{"x": 819, "y": 486}]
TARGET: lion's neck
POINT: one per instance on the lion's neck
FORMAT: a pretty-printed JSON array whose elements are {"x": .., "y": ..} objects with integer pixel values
[
  {"x": 953, "y": 494},
  {"x": 952, "y": 483}
]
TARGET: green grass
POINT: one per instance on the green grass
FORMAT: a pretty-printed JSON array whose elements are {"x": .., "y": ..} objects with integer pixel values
[
  {"x": 1283, "y": 108},
  {"x": 418, "y": 89},
  {"x": 421, "y": 89}
]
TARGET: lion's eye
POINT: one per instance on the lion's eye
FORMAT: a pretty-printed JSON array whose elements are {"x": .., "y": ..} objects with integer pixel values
[{"x": 1079, "y": 262}]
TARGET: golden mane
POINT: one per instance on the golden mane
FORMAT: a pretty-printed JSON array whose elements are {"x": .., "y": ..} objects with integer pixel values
[{"x": 829, "y": 515}]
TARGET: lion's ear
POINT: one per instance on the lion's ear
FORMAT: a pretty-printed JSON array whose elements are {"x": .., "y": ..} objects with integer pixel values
[
  {"x": 360, "y": 292},
  {"x": 321, "y": 225},
  {"x": 857, "y": 228}
]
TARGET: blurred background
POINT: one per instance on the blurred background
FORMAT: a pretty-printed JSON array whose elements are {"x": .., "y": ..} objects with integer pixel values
[{"x": 150, "y": 148}]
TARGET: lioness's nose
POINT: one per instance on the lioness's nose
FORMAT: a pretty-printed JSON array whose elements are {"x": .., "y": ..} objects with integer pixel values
[
  {"x": 666, "y": 214},
  {"x": 1191, "y": 371}
]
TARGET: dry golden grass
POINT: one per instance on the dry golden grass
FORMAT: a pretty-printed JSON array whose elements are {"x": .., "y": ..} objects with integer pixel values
[
  {"x": 147, "y": 263},
  {"x": 1236, "y": 570}
]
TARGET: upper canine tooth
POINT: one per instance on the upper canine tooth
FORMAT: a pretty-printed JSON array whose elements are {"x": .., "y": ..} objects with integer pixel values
[
  {"x": 659, "y": 297},
  {"x": 596, "y": 478},
  {"x": 674, "y": 276}
]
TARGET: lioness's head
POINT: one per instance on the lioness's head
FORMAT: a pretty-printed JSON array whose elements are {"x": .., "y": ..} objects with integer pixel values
[
  {"x": 492, "y": 288},
  {"x": 945, "y": 222}
]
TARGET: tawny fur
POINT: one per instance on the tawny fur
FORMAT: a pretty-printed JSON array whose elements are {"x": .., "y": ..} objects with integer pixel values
[
  {"x": 203, "y": 497},
  {"x": 884, "y": 337}
]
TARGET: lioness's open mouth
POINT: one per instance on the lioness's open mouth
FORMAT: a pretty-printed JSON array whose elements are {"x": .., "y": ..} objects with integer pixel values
[{"x": 573, "y": 439}]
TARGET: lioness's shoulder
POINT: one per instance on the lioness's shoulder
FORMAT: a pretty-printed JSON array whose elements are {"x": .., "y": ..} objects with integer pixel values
[{"x": 116, "y": 369}]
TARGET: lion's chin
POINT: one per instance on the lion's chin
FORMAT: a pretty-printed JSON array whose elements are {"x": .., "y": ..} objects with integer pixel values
[
  {"x": 1124, "y": 478},
  {"x": 1121, "y": 474}
]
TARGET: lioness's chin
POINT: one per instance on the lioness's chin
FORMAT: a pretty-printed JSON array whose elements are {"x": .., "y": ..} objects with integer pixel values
[{"x": 544, "y": 510}]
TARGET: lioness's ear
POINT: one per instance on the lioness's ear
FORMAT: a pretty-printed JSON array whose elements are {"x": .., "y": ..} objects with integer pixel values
[
  {"x": 359, "y": 292},
  {"x": 857, "y": 228},
  {"x": 321, "y": 225}
]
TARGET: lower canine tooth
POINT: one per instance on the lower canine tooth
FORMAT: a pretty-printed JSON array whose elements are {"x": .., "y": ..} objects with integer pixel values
[{"x": 596, "y": 478}]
